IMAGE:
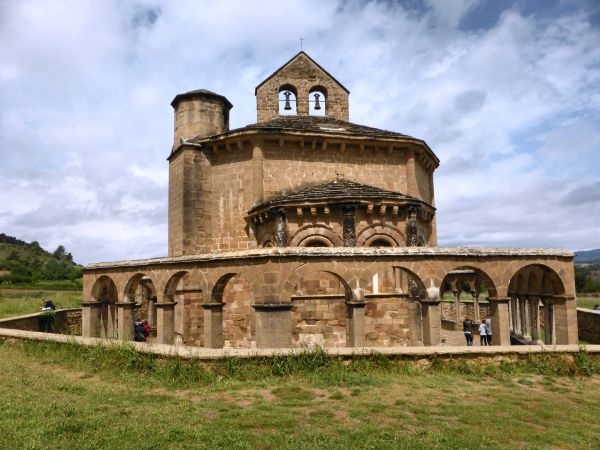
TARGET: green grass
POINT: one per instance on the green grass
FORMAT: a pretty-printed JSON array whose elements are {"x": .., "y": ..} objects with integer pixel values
[
  {"x": 65, "y": 396},
  {"x": 587, "y": 302},
  {"x": 48, "y": 285},
  {"x": 14, "y": 303}
]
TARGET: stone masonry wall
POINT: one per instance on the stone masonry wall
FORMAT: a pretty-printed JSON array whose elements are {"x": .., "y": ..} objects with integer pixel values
[
  {"x": 319, "y": 322},
  {"x": 301, "y": 74},
  {"x": 588, "y": 323},
  {"x": 211, "y": 191},
  {"x": 295, "y": 165},
  {"x": 238, "y": 314},
  {"x": 386, "y": 322}
]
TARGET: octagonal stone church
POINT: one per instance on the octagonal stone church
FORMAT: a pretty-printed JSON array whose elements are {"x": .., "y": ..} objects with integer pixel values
[{"x": 306, "y": 229}]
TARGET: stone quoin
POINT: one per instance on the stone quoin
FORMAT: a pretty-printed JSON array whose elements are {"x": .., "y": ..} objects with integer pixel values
[{"x": 307, "y": 229}]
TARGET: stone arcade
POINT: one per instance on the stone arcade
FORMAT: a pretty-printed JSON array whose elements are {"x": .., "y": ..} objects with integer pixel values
[{"x": 305, "y": 229}]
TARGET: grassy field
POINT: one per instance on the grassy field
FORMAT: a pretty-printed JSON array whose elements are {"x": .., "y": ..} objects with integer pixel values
[
  {"x": 587, "y": 302},
  {"x": 18, "y": 302},
  {"x": 64, "y": 396}
]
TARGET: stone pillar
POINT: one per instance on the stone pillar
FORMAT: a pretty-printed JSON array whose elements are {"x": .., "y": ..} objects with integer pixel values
[
  {"x": 475, "y": 317},
  {"x": 152, "y": 312},
  {"x": 565, "y": 320},
  {"x": 165, "y": 323},
  {"x": 548, "y": 321},
  {"x": 90, "y": 318},
  {"x": 398, "y": 278},
  {"x": 411, "y": 177},
  {"x": 534, "y": 317},
  {"x": 125, "y": 320},
  {"x": 526, "y": 318},
  {"x": 355, "y": 335},
  {"x": 499, "y": 316},
  {"x": 213, "y": 325},
  {"x": 518, "y": 313},
  {"x": 273, "y": 325},
  {"x": 411, "y": 227},
  {"x": 349, "y": 225},
  {"x": 257, "y": 172},
  {"x": 511, "y": 320},
  {"x": 431, "y": 322},
  {"x": 415, "y": 332},
  {"x": 281, "y": 228},
  {"x": 457, "y": 306}
]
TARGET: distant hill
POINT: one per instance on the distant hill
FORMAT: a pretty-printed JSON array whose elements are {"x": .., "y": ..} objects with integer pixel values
[
  {"x": 588, "y": 257},
  {"x": 26, "y": 262}
]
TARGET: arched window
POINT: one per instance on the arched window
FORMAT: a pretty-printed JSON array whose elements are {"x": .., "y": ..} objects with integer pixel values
[
  {"x": 317, "y": 101},
  {"x": 287, "y": 100},
  {"x": 315, "y": 241},
  {"x": 380, "y": 242}
]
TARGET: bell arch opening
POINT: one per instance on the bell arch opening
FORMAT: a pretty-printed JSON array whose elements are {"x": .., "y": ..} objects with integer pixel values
[
  {"x": 288, "y": 100},
  {"x": 317, "y": 101}
]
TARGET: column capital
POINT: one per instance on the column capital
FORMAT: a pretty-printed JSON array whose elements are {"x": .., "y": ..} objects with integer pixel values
[
  {"x": 356, "y": 304},
  {"x": 92, "y": 303},
  {"x": 165, "y": 304},
  {"x": 425, "y": 301},
  {"x": 126, "y": 304},
  {"x": 213, "y": 305},
  {"x": 499, "y": 299},
  {"x": 272, "y": 306}
]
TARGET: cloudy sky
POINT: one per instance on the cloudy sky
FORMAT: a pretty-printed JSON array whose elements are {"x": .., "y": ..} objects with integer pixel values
[{"x": 506, "y": 92}]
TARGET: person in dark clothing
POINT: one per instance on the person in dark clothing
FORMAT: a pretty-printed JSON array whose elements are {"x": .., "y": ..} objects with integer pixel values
[
  {"x": 48, "y": 305},
  {"x": 139, "y": 332},
  {"x": 468, "y": 330}
]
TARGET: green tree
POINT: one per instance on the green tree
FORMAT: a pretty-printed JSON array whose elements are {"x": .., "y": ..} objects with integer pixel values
[{"x": 60, "y": 252}]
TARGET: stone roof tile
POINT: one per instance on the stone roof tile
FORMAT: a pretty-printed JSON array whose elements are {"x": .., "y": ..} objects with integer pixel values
[
  {"x": 340, "y": 189},
  {"x": 312, "y": 125}
]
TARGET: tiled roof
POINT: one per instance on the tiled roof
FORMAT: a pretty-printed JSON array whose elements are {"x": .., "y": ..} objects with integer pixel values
[
  {"x": 339, "y": 189},
  {"x": 311, "y": 124},
  {"x": 201, "y": 93}
]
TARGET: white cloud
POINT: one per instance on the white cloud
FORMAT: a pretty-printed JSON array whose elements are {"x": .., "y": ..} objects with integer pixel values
[{"x": 512, "y": 111}]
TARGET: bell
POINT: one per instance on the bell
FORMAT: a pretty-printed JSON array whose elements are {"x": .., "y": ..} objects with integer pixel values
[
  {"x": 317, "y": 104},
  {"x": 287, "y": 106}
]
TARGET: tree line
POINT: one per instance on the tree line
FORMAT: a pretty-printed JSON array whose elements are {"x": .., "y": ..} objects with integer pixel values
[{"x": 29, "y": 262}]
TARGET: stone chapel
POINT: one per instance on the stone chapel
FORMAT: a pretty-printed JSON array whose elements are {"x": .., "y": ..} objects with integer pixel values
[{"x": 307, "y": 229}]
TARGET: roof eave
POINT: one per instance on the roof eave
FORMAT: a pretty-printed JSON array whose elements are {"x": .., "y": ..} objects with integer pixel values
[{"x": 267, "y": 131}]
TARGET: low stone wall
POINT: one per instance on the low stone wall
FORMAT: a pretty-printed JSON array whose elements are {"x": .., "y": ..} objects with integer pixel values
[
  {"x": 63, "y": 321},
  {"x": 319, "y": 321},
  {"x": 588, "y": 324}
]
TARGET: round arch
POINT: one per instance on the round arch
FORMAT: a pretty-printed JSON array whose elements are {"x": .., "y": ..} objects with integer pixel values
[
  {"x": 318, "y": 232},
  {"x": 287, "y": 97},
  {"x": 536, "y": 279},
  {"x": 105, "y": 291},
  {"x": 318, "y": 101},
  {"x": 376, "y": 232}
]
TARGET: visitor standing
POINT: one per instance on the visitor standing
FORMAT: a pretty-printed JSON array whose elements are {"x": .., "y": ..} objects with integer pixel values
[
  {"x": 139, "y": 332},
  {"x": 468, "y": 330},
  {"x": 482, "y": 334},
  {"x": 488, "y": 330}
]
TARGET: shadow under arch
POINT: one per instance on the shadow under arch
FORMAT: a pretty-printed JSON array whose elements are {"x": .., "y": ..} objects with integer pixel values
[
  {"x": 233, "y": 296},
  {"x": 532, "y": 290},
  {"x": 474, "y": 282},
  {"x": 322, "y": 309},
  {"x": 388, "y": 278},
  {"x": 547, "y": 281},
  {"x": 105, "y": 291}
]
